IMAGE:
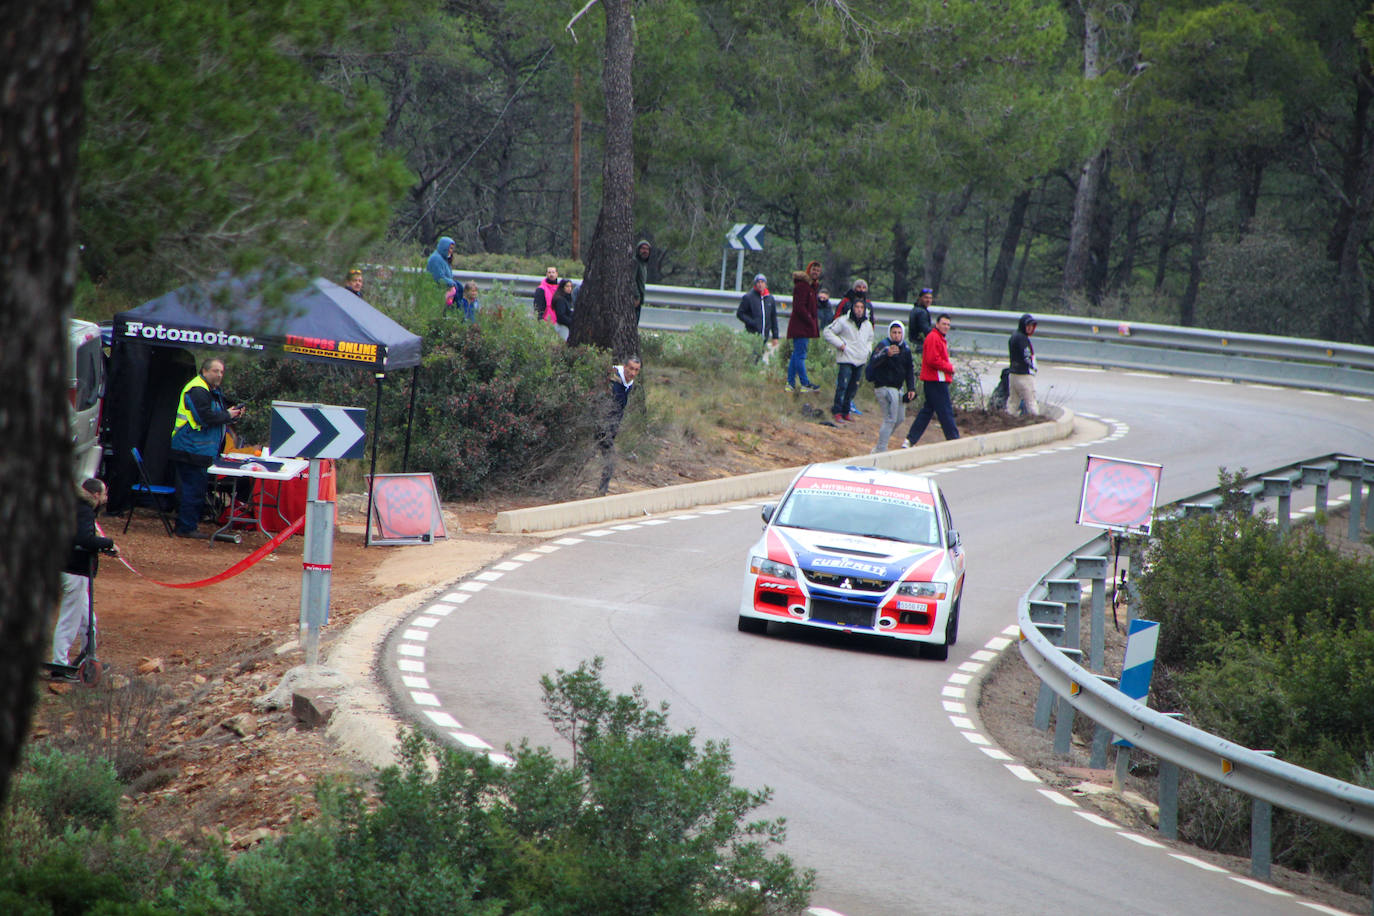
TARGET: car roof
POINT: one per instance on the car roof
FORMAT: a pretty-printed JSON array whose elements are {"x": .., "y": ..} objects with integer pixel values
[{"x": 855, "y": 473}]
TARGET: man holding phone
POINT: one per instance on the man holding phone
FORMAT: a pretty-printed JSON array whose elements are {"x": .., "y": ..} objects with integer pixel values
[{"x": 197, "y": 440}]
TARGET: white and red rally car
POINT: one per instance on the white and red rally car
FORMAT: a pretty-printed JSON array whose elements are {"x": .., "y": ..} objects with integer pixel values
[{"x": 860, "y": 550}]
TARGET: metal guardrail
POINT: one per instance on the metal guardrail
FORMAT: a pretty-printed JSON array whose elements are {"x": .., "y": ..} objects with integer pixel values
[
  {"x": 1255, "y": 773},
  {"x": 1288, "y": 361}
]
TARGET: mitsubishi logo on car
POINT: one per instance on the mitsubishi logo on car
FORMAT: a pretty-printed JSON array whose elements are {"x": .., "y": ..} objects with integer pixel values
[{"x": 846, "y": 583}]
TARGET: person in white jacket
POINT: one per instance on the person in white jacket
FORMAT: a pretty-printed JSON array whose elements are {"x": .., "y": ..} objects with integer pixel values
[{"x": 852, "y": 337}]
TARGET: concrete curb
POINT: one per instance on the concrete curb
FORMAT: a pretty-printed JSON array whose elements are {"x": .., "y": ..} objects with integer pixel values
[{"x": 768, "y": 483}]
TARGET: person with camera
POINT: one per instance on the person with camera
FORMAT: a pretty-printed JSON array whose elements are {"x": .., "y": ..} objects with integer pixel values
[{"x": 197, "y": 440}]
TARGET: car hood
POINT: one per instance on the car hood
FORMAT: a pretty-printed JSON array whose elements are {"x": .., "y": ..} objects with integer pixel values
[{"x": 855, "y": 555}]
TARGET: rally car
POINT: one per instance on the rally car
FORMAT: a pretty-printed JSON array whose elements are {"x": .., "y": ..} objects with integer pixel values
[{"x": 861, "y": 550}]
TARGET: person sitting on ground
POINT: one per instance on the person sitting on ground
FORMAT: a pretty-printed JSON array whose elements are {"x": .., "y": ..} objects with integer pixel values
[
  {"x": 852, "y": 337},
  {"x": 82, "y": 561}
]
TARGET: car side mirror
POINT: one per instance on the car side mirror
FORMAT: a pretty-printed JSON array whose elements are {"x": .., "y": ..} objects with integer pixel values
[
  {"x": 767, "y": 513},
  {"x": 952, "y": 536}
]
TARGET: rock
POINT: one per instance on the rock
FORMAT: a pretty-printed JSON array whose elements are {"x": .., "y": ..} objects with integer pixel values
[
  {"x": 148, "y": 665},
  {"x": 118, "y": 681},
  {"x": 297, "y": 678},
  {"x": 243, "y": 725},
  {"x": 312, "y": 706}
]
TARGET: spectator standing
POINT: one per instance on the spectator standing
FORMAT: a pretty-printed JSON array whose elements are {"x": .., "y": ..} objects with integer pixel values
[
  {"x": 78, "y": 574},
  {"x": 892, "y": 369},
  {"x": 852, "y": 337},
  {"x": 354, "y": 283},
  {"x": 1021, "y": 380},
  {"x": 642, "y": 252},
  {"x": 543, "y": 296},
  {"x": 803, "y": 325},
  {"x": 563, "y": 308},
  {"x": 758, "y": 312},
  {"x": 197, "y": 439},
  {"x": 468, "y": 303},
  {"x": 440, "y": 268},
  {"x": 856, "y": 293},
  {"x": 936, "y": 373},
  {"x": 622, "y": 380},
  {"x": 918, "y": 322}
]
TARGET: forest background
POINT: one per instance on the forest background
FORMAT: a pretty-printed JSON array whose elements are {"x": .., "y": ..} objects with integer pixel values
[{"x": 1185, "y": 162}]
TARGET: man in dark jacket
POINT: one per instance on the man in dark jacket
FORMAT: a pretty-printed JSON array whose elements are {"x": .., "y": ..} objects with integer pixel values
[
  {"x": 1021, "y": 381},
  {"x": 87, "y": 543},
  {"x": 892, "y": 369},
  {"x": 918, "y": 322},
  {"x": 803, "y": 325},
  {"x": 758, "y": 312},
  {"x": 197, "y": 440},
  {"x": 642, "y": 252},
  {"x": 622, "y": 380},
  {"x": 858, "y": 291}
]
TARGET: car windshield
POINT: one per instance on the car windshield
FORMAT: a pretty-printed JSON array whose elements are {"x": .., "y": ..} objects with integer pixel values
[{"x": 861, "y": 514}]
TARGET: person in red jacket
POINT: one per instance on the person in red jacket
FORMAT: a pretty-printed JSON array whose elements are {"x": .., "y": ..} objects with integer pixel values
[
  {"x": 936, "y": 373},
  {"x": 803, "y": 325}
]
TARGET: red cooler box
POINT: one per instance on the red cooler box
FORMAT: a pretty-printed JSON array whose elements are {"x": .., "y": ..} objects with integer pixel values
[{"x": 283, "y": 501}]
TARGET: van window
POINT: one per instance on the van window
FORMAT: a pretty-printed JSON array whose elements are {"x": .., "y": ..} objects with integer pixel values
[{"x": 90, "y": 374}]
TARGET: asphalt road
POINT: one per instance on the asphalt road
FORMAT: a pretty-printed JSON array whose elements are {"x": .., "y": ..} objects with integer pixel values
[{"x": 887, "y": 795}]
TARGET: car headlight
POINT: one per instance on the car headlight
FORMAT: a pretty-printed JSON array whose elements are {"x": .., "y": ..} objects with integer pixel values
[
  {"x": 936, "y": 590},
  {"x": 762, "y": 566}
]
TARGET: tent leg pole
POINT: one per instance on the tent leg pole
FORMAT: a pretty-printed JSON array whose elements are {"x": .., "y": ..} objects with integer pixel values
[
  {"x": 410, "y": 420},
  {"x": 372, "y": 474}
]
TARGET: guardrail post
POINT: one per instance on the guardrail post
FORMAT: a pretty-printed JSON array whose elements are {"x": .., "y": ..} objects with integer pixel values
[
  {"x": 1094, "y": 569},
  {"x": 1123, "y": 769},
  {"x": 1070, "y": 593},
  {"x": 1369, "y": 497},
  {"x": 1168, "y": 799},
  {"x": 1320, "y": 477},
  {"x": 1352, "y": 469},
  {"x": 1137, "y": 563},
  {"x": 1281, "y": 487},
  {"x": 1261, "y": 834},
  {"x": 1048, "y": 617}
]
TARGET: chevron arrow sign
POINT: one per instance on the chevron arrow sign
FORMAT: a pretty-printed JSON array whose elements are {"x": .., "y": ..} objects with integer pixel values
[
  {"x": 745, "y": 236},
  {"x": 317, "y": 430}
]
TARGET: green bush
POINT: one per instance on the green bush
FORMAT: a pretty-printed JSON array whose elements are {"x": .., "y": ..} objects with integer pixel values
[{"x": 67, "y": 790}]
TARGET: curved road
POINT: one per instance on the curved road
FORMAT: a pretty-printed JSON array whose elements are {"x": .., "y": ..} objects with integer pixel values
[{"x": 886, "y": 782}]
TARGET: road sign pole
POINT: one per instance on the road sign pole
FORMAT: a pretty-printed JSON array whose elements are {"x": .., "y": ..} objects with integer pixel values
[
  {"x": 739, "y": 271},
  {"x": 317, "y": 563},
  {"x": 724, "y": 252}
]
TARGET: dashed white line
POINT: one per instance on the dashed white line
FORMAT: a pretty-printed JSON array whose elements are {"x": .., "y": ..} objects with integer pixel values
[
  {"x": 416, "y": 635},
  {"x": 624, "y": 527},
  {"x": 411, "y": 649},
  {"x": 1096, "y": 819},
  {"x": 962, "y": 722},
  {"x": 996, "y": 753},
  {"x": 1058, "y": 798},
  {"x": 439, "y": 610},
  {"x": 442, "y": 719},
  {"x": 1197, "y": 863},
  {"x": 410, "y": 664},
  {"x": 470, "y": 740},
  {"x": 415, "y": 683},
  {"x": 472, "y": 586},
  {"x": 526, "y": 557},
  {"x": 954, "y": 706},
  {"x": 421, "y": 698},
  {"x": 456, "y": 597},
  {"x": 567, "y": 542},
  {"x": 598, "y": 533},
  {"x": 426, "y": 622},
  {"x": 949, "y": 691},
  {"x": 1022, "y": 773},
  {"x": 546, "y": 548},
  {"x": 507, "y": 566},
  {"x": 1141, "y": 840},
  {"x": 488, "y": 576},
  {"x": 1260, "y": 886}
]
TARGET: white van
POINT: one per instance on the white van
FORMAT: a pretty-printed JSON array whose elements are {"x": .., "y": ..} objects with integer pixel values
[{"x": 85, "y": 392}]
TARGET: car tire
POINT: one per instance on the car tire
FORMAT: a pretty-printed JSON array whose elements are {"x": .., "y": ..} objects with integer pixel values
[
  {"x": 952, "y": 628},
  {"x": 752, "y": 625},
  {"x": 936, "y": 652}
]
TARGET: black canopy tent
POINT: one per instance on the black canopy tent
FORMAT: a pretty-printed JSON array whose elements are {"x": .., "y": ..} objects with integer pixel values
[{"x": 149, "y": 362}]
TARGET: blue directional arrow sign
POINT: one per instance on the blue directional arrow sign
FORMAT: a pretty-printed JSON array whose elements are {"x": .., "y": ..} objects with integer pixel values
[
  {"x": 317, "y": 430},
  {"x": 745, "y": 236}
]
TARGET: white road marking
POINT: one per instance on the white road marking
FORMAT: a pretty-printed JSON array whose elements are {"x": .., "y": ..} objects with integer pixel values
[
  {"x": 1141, "y": 840},
  {"x": 1261, "y": 886},
  {"x": 1097, "y": 819},
  {"x": 1197, "y": 863},
  {"x": 442, "y": 719},
  {"x": 424, "y": 699},
  {"x": 1022, "y": 773},
  {"x": 1058, "y": 798},
  {"x": 416, "y": 683}
]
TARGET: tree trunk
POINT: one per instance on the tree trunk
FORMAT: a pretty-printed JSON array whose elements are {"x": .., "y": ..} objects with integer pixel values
[
  {"x": 1006, "y": 253},
  {"x": 1085, "y": 202},
  {"x": 40, "y": 112},
  {"x": 1250, "y": 179},
  {"x": 1353, "y": 220},
  {"x": 901, "y": 259},
  {"x": 1188, "y": 306},
  {"x": 1166, "y": 231},
  {"x": 606, "y": 308}
]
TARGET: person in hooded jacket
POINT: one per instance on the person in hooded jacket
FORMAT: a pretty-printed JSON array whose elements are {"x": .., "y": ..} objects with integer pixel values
[
  {"x": 803, "y": 324},
  {"x": 642, "y": 252},
  {"x": 1021, "y": 380},
  {"x": 758, "y": 312},
  {"x": 892, "y": 369},
  {"x": 440, "y": 268},
  {"x": 856, "y": 293},
  {"x": 543, "y": 296},
  {"x": 82, "y": 561},
  {"x": 918, "y": 322},
  {"x": 852, "y": 337}
]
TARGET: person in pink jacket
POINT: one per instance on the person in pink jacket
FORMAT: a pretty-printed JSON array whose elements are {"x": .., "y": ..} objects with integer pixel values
[
  {"x": 936, "y": 373},
  {"x": 543, "y": 296}
]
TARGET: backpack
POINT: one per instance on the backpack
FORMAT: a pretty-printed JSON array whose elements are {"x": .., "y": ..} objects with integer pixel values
[
  {"x": 871, "y": 367},
  {"x": 1002, "y": 392}
]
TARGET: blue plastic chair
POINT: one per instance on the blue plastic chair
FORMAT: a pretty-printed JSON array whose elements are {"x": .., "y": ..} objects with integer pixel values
[{"x": 156, "y": 494}]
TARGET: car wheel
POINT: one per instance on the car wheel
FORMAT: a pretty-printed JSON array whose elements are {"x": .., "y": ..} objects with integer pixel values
[
  {"x": 952, "y": 628},
  {"x": 752, "y": 625},
  {"x": 932, "y": 651}
]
